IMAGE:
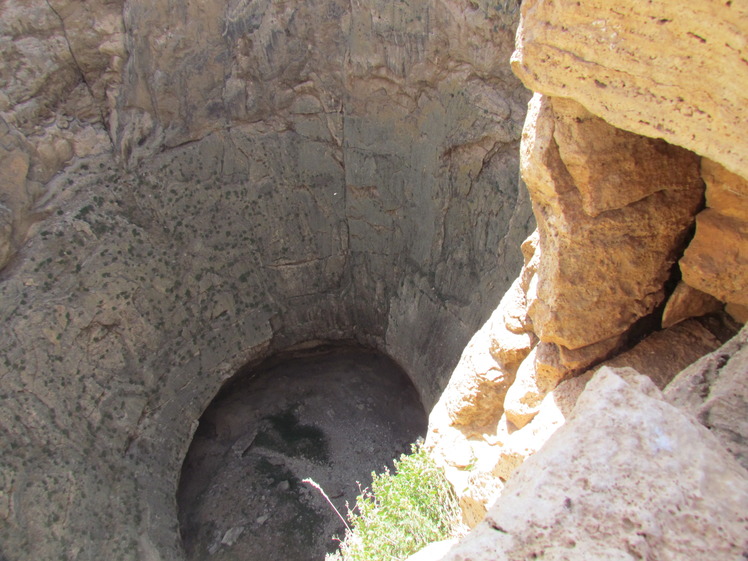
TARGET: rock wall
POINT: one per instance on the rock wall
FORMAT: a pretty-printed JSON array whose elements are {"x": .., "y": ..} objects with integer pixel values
[
  {"x": 226, "y": 181},
  {"x": 60, "y": 64},
  {"x": 635, "y": 169},
  {"x": 654, "y": 69}
]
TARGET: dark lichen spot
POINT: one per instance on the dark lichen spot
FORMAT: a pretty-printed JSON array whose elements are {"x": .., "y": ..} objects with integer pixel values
[{"x": 284, "y": 434}]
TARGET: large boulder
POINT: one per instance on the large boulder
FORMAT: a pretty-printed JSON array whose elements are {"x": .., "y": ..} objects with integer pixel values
[
  {"x": 654, "y": 68},
  {"x": 604, "y": 259},
  {"x": 628, "y": 477},
  {"x": 715, "y": 390}
]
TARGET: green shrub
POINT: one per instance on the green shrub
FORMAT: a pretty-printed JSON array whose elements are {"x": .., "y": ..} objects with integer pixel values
[{"x": 401, "y": 513}]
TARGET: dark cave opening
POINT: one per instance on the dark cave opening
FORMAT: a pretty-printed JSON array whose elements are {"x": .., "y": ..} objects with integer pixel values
[{"x": 333, "y": 413}]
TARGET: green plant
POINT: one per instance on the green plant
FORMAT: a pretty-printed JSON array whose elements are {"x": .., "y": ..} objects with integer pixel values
[{"x": 401, "y": 513}]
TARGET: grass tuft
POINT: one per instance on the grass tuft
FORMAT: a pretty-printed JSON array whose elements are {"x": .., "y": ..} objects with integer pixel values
[{"x": 401, "y": 513}]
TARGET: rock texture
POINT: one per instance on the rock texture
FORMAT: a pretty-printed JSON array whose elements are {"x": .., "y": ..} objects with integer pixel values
[
  {"x": 687, "y": 302},
  {"x": 59, "y": 69},
  {"x": 652, "y": 68},
  {"x": 480, "y": 459},
  {"x": 617, "y": 202},
  {"x": 715, "y": 391},
  {"x": 716, "y": 261},
  {"x": 627, "y": 477},
  {"x": 603, "y": 257},
  {"x": 60, "y": 66},
  {"x": 679, "y": 94},
  {"x": 606, "y": 253},
  {"x": 296, "y": 172}
]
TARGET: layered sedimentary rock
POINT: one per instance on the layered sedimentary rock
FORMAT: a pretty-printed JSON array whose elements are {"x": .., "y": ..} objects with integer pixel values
[
  {"x": 663, "y": 72},
  {"x": 279, "y": 174},
  {"x": 652, "y": 68}
]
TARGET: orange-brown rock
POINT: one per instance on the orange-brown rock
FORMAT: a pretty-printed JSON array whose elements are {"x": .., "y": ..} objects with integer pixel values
[
  {"x": 524, "y": 396},
  {"x": 546, "y": 366},
  {"x": 687, "y": 302},
  {"x": 613, "y": 168},
  {"x": 661, "y": 69},
  {"x": 716, "y": 260},
  {"x": 726, "y": 192},
  {"x": 474, "y": 397},
  {"x": 737, "y": 312},
  {"x": 598, "y": 275}
]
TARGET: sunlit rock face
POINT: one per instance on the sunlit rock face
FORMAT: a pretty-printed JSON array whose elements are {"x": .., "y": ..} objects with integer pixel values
[
  {"x": 635, "y": 163},
  {"x": 651, "y": 68},
  {"x": 595, "y": 491},
  {"x": 238, "y": 179}
]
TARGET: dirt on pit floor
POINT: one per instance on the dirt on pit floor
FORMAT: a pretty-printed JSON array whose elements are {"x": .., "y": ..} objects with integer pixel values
[{"x": 333, "y": 415}]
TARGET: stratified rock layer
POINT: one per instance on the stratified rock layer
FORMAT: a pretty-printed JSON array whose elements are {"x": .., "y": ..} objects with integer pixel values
[{"x": 653, "y": 68}]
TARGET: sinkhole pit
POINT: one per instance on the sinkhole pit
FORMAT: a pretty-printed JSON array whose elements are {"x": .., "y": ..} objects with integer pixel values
[{"x": 333, "y": 414}]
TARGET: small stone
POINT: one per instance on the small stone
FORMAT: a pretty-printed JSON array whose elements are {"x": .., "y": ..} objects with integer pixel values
[
  {"x": 231, "y": 535},
  {"x": 262, "y": 519},
  {"x": 284, "y": 486}
]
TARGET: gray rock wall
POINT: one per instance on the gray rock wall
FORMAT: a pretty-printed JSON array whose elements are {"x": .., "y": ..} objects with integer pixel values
[{"x": 285, "y": 180}]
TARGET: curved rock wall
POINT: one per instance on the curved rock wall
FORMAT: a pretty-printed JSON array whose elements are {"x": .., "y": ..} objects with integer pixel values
[
  {"x": 60, "y": 64},
  {"x": 295, "y": 172}
]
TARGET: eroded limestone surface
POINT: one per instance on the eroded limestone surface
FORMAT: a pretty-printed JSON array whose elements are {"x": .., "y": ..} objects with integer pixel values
[
  {"x": 284, "y": 173},
  {"x": 652, "y": 68}
]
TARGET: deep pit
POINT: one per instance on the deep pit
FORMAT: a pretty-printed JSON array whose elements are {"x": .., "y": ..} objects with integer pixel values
[
  {"x": 332, "y": 414},
  {"x": 361, "y": 183}
]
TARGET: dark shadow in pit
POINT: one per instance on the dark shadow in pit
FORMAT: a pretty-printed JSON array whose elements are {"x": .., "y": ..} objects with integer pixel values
[{"x": 332, "y": 414}]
